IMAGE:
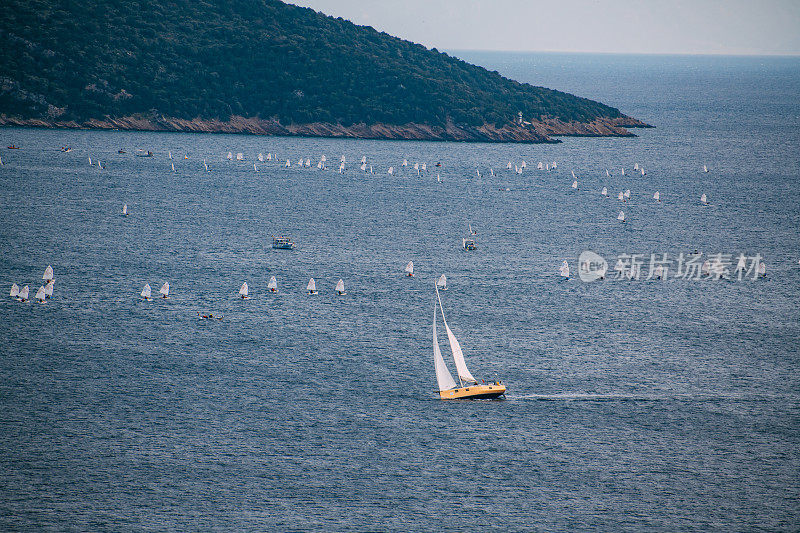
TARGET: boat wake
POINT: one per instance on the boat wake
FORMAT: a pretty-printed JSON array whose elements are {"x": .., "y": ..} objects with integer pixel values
[{"x": 612, "y": 397}]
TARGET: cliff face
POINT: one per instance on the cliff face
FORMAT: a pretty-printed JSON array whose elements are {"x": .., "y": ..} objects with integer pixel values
[
  {"x": 537, "y": 132},
  {"x": 186, "y": 65}
]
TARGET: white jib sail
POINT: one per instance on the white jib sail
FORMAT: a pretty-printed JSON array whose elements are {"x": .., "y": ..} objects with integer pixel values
[
  {"x": 23, "y": 293},
  {"x": 273, "y": 284},
  {"x": 410, "y": 267},
  {"x": 455, "y": 347},
  {"x": 48, "y": 273},
  {"x": 164, "y": 289},
  {"x": 40, "y": 293},
  {"x": 312, "y": 285},
  {"x": 14, "y": 290},
  {"x": 443, "y": 376},
  {"x": 442, "y": 282},
  {"x": 244, "y": 291},
  {"x": 146, "y": 291},
  {"x": 340, "y": 286},
  {"x": 390, "y": 171}
]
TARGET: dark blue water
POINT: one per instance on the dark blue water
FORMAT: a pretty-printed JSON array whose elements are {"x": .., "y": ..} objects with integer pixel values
[{"x": 632, "y": 405}]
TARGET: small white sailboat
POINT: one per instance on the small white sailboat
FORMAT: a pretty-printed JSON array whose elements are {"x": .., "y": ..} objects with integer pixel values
[
  {"x": 363, "y": 167},
  {"x": 40, "y": 294},
  {"x": 468, "y": 387},
  {"x": 269, "y": 156},
  {"x": 604, "y": 192},
  {"x": 255, "y": 167},
  {"x": 363, "y": 159},
  {"x": 308, "y": 162},
  {"x": 340, "y": 288},
  {"x": 205, "y": 165},
  {"x": 636, "y": 166},
  {"x": 627, "y": 193},
  {"x": 343, "y": 159},
  {"x": 642, "y": 171},
  {"x": 240, "y": 156},
  {"x": 621, "y": 216},
  {"x": 509, "y": 165},
  {"x": 554, "y": 165},
  {"x": 424, "y": 167},
  {"x": 564, "y": 270},
  {"x": 90, "y": 160},
  {"x": 573, "y": 175},
  {"x": 288, "y": 163},
  {"x": 48, "y": 289},
  {"x": 575, "y": 184},
  {"x": 244, "y": 291},
  {"x": 273, "y": 284},
  {"x": 705, "y": 168},
  {"x": 230, "y": 156},
  {"x": 164, "y": 290},
  {"x": 14, "y": 290},
  {"x": 405, "y": 162},
  {"x": 23, "y": 294},
  {"x": 471, "y": 231},
  {"x": 762, "y": 270},
  {"x": 410, "y": 269},
  {"x": 607, "y": 174},
  {"x": 523, "y": 165},
  {"x": 657, "y": 196},
  {"x": 441, "y": 282},
  {"x": 260, "y": 157},
  {"x": 125, "y": 210},
  {"x": 390, "y": 171},
  {"x": 170, "y": 154},
  {"x": 312, "y": 286},
  {"x": 704, "y": 199},
  {"x": 621, "y": 196},
  {"x": 438, "y": 178},
  {"x": 48, "y": 274},
  {"x": 146, "y": 292},
  {"x": 540, "y": 166},
  {"x": 173, "y": 166}
]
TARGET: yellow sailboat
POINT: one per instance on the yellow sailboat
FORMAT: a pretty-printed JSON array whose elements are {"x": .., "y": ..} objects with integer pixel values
[{"x": 468, "y": 387}]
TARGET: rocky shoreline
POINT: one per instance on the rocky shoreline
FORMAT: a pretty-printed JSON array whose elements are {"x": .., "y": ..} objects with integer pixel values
[{"x": 541, "y": 131}]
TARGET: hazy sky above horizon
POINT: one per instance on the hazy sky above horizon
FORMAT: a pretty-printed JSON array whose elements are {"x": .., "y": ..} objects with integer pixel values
[{"x": 609, "y": 26}]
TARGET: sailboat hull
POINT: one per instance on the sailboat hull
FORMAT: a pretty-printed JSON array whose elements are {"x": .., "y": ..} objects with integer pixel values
[{"x": 474, "y": 392}]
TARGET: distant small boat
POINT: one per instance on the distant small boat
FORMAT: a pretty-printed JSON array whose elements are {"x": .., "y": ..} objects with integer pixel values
[
  {"x": 40, "y": 295},
  {"x": 282, "y": 243},
  {"x": 363, "y": 159},
  {"x": 627, "y": 193},
  {"x": 762, "y": 270},
  {"x": 13, "y": 147},
  {"x": 240, "y": 156},
  {"x": 657, "y": 196},
  {"x": 23, "y": 294},
  {"x": 469, "y": 244},
  {"x": 273, "y": 284},
  {"x": 143, "y": 153},
  {"x": 636, "y": 166},
  {"x": 244, "y": 291},
  {"x": 540, "y": 166},
  {"x": 125, "y": 210},
  {"x": 705, "y": 168},
  {"x": 146, "y": 292},
  {"x": 564, "y": 270},
  {"x": 390, "y": 171},
  {"x": 48, "y": 289},
  {"x": 704, "y": 199},
  {"x": 312, "y": 286},
  {"x": 441, "y": 283},
  {"x": 261, "y": 157},
  {"x": 90, "y": 160},
  {"x": 48, "y": 273},
  {"x": 575, "y": 184},
  {"x": 169, "y": 154},
  {"x": 340, "y": 288},
  {"x": 642, "y": 171},
  {"x": 410, "y": 269},
  {"x": 164, "y": 290},
  {"x": 621, "y": 196},
  {"x": 623, "y": 171},
  {"x": 405, "y": 162},
  {"x": 205, "y": 165},
  {"x": 621, "y": 216},
  {"x": 471, "y": 231},
  {"x": 14, "y": 290},
  {"x": 230, "y": 156},
  {"x": 604, "y": 192},
  {"x": 173, "y": 166},
  {"x": 607, "y": 174},
  {"x": 288, "y": 163}
]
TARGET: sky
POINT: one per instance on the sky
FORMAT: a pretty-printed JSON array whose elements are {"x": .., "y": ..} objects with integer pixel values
[{"x": 736, "y": 27}]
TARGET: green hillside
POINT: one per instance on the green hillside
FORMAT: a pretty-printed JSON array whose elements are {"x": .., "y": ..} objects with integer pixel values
[{"x": 71, "y": 60}]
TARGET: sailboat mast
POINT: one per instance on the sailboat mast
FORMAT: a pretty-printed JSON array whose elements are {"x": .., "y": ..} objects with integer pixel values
[{"x": 441, "y": 308}]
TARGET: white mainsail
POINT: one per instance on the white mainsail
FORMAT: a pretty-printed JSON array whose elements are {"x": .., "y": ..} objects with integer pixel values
[
  {"x": 170, "y": 154},
  {"x": 441, "y": 283},
  {"x": 564, "y": 270},
  {"x": 14, "y": 290},
  {"x": 363, "y": 159},
  {"x": 48, "y": 289},
  {"x": 125, "y": 209},
  {"x": 40, "y": 294},
  {"x": 627, "y": 193},
  {"x": 288, "y": 163},
  {"x": 657, "y": 196},
  {"x": 455, "y": 348},
  {"x": 443, "y": 376},
  {"x": 205, "y": 165},
  {"x": 312, "y": 286},
  {"x": 173, "y": 166},
  {"x": 705, "y": 168},
  {"x": 704, "y": 198},
  {"x": 621, "y": 216},
  {"x": 604, "y": 192},
  {"x": 540, "y": 166},
  {"x": 260, "y": 157},
  {"x": 410, "y": 268},
  {"x": 405, "y": 162},
  {"x": 390, "y": 171},
  {"x": 575, "y": 184},
  {"x": 146, "y": 292},
  {"x": 340, "y": 287},
  {"x": 239, "y": 156},
  {"x": 23, "y": 293},
  {"x": 244, "y": 290},
  {"x": 164, "y": 290},
  {"x": 621, "y": 196},
  {"x": 48, "y": 273},
  {"x": 273, "y": 284},
  {"x": 230, "y": 156},
  {"x": 636, "y": 166}
]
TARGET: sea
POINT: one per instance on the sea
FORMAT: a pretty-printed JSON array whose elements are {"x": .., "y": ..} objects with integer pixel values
[{"x": 634, "y": 403}]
